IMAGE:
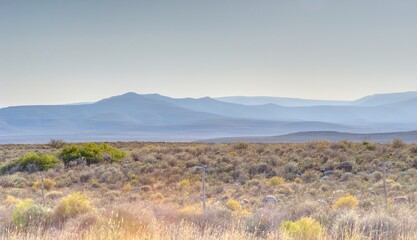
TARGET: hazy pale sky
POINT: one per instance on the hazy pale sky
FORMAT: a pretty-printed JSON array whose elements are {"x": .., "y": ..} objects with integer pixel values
[{"x": 83, "y": 50}]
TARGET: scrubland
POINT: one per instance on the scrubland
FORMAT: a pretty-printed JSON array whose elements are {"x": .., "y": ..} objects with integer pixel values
[{"x": 315, "y": 190}]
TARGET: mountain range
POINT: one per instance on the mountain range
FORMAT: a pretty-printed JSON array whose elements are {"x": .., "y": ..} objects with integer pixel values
[
  {"x": 153, "y": 117},
  {"x": 299, "y": 137}
]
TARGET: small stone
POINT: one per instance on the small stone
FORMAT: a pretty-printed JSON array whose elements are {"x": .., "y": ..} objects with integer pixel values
[
  {"x": 346, "y": 166},
  {"x": 401, "y": 200},
  {"x": 270, "y": 199},
  {"x": 322, "y": 202}
]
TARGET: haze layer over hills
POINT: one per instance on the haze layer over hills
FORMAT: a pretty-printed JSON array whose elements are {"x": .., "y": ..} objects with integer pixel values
[{"x": 152, "y": 117}]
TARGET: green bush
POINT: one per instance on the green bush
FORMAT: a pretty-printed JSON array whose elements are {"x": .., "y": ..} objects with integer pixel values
[
  {"x": 91, "y": 153},
  {"x": 27, "y": 213},
  {"x": 30, "y": 162}
]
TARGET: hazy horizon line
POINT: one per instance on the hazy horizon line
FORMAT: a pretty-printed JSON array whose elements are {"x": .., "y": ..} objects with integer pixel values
[{"x": 213, "y": 97}]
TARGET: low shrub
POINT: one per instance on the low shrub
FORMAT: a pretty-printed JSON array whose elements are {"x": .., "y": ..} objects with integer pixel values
[
  {"x": 157, "y": 197},
  {"x": 72, "y": 205},
  {"x": 131, "y": 222},
  {"x": 112, "y": 195},
  {"x": 304, "y": 229},
  {"x": 27, "y": 213},
  {"x": 233, "y": 205},
  {"x": 214, "y": 216},
  {"x": 241, "y": 146},
  {"x": 310, "y": 176},
  {"x": 54, "y": 195},
  {"x": 191, "y": 209},
  {"x": 10, "y": 200},
  {"x": 94, "y": 183},
  {"x": 135, "y": 156},
  {"x": 56, "y": 143},
  {"x": 48, "y": 184},
  {"x": 379, "y": 226},
  {"x": 347, "y": 202},
  {"x": 398, "y": 143},
  {"x": 290, "y": 170},
  {"x": 184, "y": 184},
  {"x": 275, "y": 181},
  {"x": 264, "y": 221},
  {"x": 345, "y": 225},
  {"x": 304, "y": 209},
  {"x": 127, "y": 187}
]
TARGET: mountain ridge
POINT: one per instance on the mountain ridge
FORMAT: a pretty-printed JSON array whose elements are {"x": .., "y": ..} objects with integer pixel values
[
  {"x": 370, "y": 100},
  {"x": 299, "y": 137},
  {"x": 153, "y": 115}
]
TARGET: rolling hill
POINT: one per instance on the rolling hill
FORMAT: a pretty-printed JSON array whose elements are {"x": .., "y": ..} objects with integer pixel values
[
  {"x": 282, "y": 101},
  {"x": 368, "y": 101},
  {"x": 155, "y": 117},
  {"x": 300, "y": 137}
]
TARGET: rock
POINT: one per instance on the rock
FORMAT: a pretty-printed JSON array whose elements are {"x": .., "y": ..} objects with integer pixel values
[
  {"x": 145, "y": 188},
  {"x": 322, "y": 202},
  {"x": 269, "y": 199},
  {"x": 236, "y": 184},
  {"x": 325, "y": 178},
  {"x": 345, "y": 166},
  {"x": 79, "y": 161},
  {"x": 263, "y": 168},
  {"x": 72, "y": 163},
  {"x": 401, "y": 200},
  {"x": 328, "y": 172}
]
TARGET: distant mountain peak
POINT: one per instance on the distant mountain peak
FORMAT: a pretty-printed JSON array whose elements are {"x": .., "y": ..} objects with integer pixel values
[
  {"x": 138, "y": 116},
  {"x": 130, "y": 94},
  {"x": 385, "y": 98}
]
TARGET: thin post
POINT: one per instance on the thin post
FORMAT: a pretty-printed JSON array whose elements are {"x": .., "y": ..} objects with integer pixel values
[
  {"x": 203, "y": 185},
  {"x": 385, "y": 184},
  {"x": 43, "y": 187},
  {"x": 204, "y": 188}
]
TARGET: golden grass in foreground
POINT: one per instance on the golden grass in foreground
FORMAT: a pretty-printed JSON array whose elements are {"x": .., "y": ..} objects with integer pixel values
[
  {"x": 316, "y": 190},
  {"x": 142, "y": 220}
]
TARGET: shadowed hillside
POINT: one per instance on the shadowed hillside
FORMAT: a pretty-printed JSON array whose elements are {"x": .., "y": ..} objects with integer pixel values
[
  {"x": 158, "y": 118},
  {"x": 299, "y": 137}
]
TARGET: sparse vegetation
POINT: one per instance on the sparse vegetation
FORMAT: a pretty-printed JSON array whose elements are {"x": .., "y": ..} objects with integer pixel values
[{"x": 317, "y": 190}]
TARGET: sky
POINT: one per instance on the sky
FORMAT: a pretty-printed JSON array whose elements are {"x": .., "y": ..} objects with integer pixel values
[{"x": 60, "y": 51}]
